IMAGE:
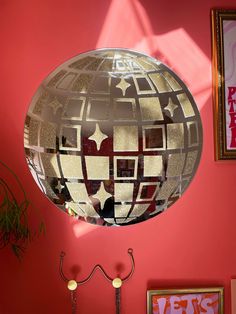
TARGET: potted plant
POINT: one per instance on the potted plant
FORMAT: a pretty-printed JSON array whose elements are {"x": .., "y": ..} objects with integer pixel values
[{"x": 15, "y": 230}]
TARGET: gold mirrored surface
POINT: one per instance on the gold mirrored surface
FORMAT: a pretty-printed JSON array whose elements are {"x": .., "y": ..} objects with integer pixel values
[{"x": 113, "y": 137}]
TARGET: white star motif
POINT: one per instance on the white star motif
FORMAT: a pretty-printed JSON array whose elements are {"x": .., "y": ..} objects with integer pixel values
[
  {"x": 123, "y": 85},
  {"x": 55, "y": 105},
  {"x": 102, "y": 195},
  {"x": 98, "y": 136},
  {"x": 58, "y": 186},
  {"x": 171, "y": 107}
]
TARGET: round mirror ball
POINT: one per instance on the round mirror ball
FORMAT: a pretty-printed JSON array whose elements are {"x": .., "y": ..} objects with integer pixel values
[{"x": 113, "y": 137}]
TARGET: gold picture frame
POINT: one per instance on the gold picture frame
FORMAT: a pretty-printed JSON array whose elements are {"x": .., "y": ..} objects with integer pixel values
[
  {"x": 189, "y": 300},
  {"x": 224, "y": 82}
]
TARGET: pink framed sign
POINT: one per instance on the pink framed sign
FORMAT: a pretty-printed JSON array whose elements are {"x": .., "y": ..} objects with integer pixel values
[
  {"x": 185, "y": 301},
  {"x": 224, "y": 82}
]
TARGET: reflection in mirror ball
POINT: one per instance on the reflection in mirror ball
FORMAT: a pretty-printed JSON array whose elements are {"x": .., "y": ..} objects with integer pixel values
[{"x": 113, "y": 137}]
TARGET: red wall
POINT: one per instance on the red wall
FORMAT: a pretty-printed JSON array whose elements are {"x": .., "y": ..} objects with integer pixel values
[{"x": 190, "y": 245}]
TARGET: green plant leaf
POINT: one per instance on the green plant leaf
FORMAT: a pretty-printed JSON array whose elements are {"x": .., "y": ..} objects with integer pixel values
[
  {"x": 14, "y": 225},
  {"x": 18, "y": 250}
]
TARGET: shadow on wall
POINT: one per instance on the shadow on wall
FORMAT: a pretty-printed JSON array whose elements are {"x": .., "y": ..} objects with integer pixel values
[{"x": 173, "y": 45}]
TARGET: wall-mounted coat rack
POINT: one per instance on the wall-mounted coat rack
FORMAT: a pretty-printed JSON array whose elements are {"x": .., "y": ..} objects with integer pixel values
[{"x": 116, "y": 282}]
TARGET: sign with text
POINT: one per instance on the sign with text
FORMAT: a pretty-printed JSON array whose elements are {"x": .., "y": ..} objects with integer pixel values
[
  {"x": 224, "y": 82},
  {"x": 186, "y": 301}
]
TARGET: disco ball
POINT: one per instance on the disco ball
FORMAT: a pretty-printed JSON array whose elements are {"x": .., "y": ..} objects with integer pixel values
[{"x": 113, "y": 137}]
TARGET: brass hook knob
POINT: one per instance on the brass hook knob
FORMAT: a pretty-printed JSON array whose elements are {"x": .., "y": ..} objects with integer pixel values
[
  {"x": 117, "y": 283},
  {"x": 72, "y": 285}
]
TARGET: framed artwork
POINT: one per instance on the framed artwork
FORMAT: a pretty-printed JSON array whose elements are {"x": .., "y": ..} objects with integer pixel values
[
  {"x": 233, "y": 296},
  {"x": 224, "y": 82},
  {"x": 185, "y": 301}
]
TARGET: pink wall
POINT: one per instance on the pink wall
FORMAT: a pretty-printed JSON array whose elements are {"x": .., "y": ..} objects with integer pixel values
[{"x": 190, "y": 245}]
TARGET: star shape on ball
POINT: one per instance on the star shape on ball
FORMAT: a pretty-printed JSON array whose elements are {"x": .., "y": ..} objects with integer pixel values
[
  {"x": 58, "y": 186},
  {"x": 171, "y": 107},
  {"x": 55, "y": 105},
  {"x": 98, "y": 136},
  {"x": 102, "y": 195},
  {"x": 123, "y": 85}
]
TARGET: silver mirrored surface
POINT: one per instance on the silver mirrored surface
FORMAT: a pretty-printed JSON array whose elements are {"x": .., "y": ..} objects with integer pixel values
[{"x": 113, "y": 137}]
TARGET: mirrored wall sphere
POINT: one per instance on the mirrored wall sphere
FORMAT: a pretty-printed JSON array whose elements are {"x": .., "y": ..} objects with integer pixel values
[{"x": 113, "y": 137}]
